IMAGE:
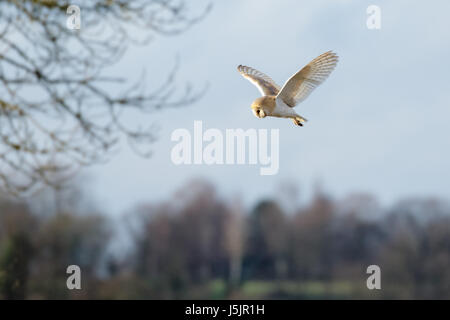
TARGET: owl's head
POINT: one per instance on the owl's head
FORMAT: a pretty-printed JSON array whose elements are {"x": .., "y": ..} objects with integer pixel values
[{"x": 260, "y": 107}]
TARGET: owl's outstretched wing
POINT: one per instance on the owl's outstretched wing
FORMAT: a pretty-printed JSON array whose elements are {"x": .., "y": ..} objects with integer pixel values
[
  {"x": 264, "y": 83},
  {"x": 301, "y": 84}
]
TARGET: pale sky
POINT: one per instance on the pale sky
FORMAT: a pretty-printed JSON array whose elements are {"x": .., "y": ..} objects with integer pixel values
[{"x": 379, "y": 124}]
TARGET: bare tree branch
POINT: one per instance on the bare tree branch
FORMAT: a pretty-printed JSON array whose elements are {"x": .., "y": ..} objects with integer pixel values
[{"x": 59, "y": 109}]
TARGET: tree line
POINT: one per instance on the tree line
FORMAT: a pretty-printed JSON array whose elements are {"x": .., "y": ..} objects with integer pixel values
[{"x": 199, "y": 245}]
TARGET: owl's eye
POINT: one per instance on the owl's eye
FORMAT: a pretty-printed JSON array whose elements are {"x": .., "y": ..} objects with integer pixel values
[{"x": 257, "y": 112}]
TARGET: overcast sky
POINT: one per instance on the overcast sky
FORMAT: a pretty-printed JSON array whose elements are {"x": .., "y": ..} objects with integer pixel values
[{"x": 379, "y": 124}]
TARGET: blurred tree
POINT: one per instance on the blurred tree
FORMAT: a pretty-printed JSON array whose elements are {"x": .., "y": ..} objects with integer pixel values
[
  {"x": 234, "y": 243},
  {"x": 416, "y": 256},
  {"x": 356, "y": 236},
  {"x": 59, "y": 108},
  {"x": 267, "y": 242},
  {"x": 68, "y": 239},
  {"x": 16, "y": 249},
  {"x": 160, "y": 257},
  {"x": 14, "y": 264},
  {"x": 184, "y": 243},
  {"x": 311, "y": 239}
]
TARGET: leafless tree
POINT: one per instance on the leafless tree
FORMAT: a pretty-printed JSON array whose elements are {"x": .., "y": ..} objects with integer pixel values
[{"x": 59, "y": 107}]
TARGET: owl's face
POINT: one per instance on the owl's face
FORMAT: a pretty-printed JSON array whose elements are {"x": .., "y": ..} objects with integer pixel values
[
  {"x": 259, "y": 112},
  {"x": 258, "y": 109}
]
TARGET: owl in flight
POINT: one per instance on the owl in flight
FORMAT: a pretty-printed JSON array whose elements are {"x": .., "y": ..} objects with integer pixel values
[{"x": 277, "y": 102}]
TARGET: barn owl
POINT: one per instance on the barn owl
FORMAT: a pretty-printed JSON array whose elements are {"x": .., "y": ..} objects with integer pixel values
[{"x": 279, "y": 102}]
